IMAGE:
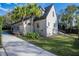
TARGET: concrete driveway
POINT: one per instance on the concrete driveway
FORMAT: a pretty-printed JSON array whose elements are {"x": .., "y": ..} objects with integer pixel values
[{"x": 15, "y": 46}]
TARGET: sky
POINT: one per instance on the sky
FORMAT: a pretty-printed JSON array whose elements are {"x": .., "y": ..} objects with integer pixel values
[{"x": 7, "y": 7}]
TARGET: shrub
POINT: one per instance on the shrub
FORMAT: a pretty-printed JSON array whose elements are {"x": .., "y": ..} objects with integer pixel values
[{"x": 32, "y": 35}]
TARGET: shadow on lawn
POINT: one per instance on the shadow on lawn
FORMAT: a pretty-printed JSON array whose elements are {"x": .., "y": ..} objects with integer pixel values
[
  {"x": 58, "y": 47},
  {"x": 76, "y": 43},
  {"x": 61, "y": 45}
]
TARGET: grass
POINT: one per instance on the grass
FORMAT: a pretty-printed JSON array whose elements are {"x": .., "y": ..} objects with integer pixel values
[
  {"x": 0, "y": 42},
  {"x": 60, "y": 44}
]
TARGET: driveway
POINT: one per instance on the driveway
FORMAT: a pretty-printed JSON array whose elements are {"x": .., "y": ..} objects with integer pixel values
[{"x": 15, "y": 46}]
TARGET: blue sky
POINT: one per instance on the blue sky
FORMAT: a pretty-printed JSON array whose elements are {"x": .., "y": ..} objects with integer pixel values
[{"x": 6, "y": 7}]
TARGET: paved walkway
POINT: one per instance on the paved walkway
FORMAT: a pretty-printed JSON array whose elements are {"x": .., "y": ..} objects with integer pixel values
[
  {"x": 2, "y": 52},
  {"x": 17, "y": 47}
]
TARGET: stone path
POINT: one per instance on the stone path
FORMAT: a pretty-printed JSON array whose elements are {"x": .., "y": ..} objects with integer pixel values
[{"x": 17, "y": 47}]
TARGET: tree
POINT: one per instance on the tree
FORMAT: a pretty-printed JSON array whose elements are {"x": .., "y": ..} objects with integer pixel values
[
  {"x": 68, "y": 16},
  {"x": 77, "y": 17},
  {"x": 78, "y": 25},
  {"x": 35, "y": 10},
  {"x": 70, "y": 11},
  {"x": 21, "y": 12},
  {"x": 1, "y": 23},
  {"x": 16, "y": 14},
  {"x": 6, "y": 20}
]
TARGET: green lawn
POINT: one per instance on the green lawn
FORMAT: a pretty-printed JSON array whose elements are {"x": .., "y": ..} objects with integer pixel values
[
  {"x": 0, "y": 39},
  {"x": 59, "y": 44}
]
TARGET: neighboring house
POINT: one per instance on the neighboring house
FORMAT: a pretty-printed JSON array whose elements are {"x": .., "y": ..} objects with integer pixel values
[
  {"x": 46, "y": 25},
  {"x": 74, "y": 21}
]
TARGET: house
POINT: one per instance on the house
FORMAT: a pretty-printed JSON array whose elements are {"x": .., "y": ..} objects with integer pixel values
[
  {"x": 74, "y": 21},
  {"x": 46, "y": 25}
]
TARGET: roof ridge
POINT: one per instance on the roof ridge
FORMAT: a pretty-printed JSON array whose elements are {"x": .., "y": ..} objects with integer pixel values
[
  {"x": 49, "y": 6},
  {"x": 45, "y": 12}
]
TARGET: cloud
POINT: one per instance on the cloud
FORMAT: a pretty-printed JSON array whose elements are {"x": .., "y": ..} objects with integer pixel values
[
  {"x": 3, "y": 9},
  {"x": 19, "y": 4},
  {"x": 8, "y": 3},
  {"x": 2, "y": 12},
  {"x": 8, "y": 7}
]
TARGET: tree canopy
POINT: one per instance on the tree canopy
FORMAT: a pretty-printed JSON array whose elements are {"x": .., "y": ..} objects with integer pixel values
[
  {"x": 23, "y": 11},
  {"x": 68, "y": 15},
  {"x": 1, "y": 22}
]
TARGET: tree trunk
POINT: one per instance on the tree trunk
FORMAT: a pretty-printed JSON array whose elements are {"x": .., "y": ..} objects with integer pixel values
[
  {"x": 78, "y": 33},
  {"x": 0, "y": 38},
  {"x": 78, "y": 27},
  {"x": 0, "y": 35},
  {"x": 70, "y": 26}
]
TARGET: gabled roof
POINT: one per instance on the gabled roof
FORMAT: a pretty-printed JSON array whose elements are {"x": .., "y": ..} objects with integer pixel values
[
  {"x": 47, "y": 9},
  {"x": 41, "y": 8}
]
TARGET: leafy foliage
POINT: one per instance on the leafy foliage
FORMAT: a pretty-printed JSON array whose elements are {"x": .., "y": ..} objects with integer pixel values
[
  {"x": 67, "y": 16},
  {"x": 32, "y": 35},
  {"x": 1, "y": 22},
  {"x": 77, "y": 17},
  {"x": 21, "y": 12},
  {"x": 71, "y": 9}
]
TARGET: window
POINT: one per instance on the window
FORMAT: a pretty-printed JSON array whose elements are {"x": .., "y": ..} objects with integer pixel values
[
  {"x": 48, "y": 23},
  {"x": 16, "y": 28},
  {"x": 29, "y": 23},
  {"x": 53, "y": 13},
  {"x": 75, "y": 21},
  {"x": 25, "y": 22},
  {"x": 37, "y": 25},
  {"x": 42, "y": 30},
  {"x": 55, "y": 25}
]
